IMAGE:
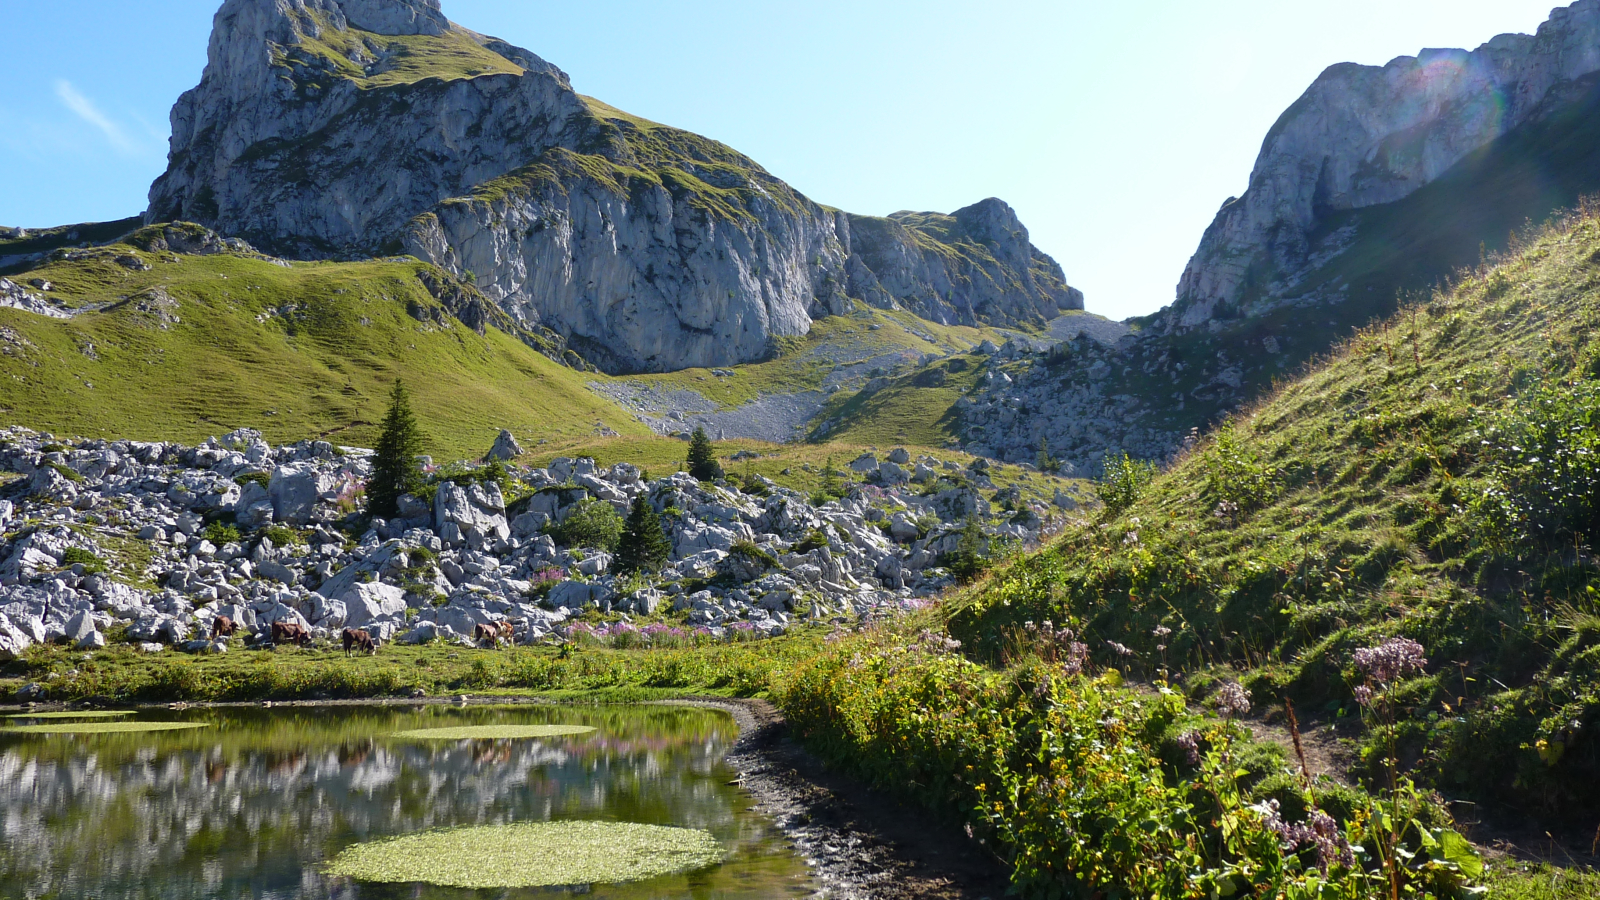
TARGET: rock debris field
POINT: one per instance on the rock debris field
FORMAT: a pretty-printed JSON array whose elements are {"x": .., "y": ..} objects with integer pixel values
[{"x": 151, "y": 543}]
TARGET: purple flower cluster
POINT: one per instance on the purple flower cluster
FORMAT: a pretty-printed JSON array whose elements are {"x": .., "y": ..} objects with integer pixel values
[
  {"x": 552, "y": 573},
  {"x": 1059, "y": 645},
  {"x": 937, "y": 643},
  {"x": 1319, "y": 831},
  {"x": 1189, "y": 743},
  {"x": 1392, "y": 660},
  {"x": 1232, "y": 699}
]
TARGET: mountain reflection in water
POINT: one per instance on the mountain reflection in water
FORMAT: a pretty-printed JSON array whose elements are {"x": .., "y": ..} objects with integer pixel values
[{"x": 254, "y": 804}]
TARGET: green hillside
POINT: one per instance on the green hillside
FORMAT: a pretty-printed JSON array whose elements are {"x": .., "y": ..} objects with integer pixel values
[
  {"x": 1434, "y": 479},
  {"x": 192, "y": 346}
]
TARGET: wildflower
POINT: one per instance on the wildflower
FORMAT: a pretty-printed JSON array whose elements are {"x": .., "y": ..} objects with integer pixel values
[
  {"x": 1189, "y": 743},
  {"x": 1232, "y": 699},
  {"x": 1391, "y": 660},
  {"x": 1119, "y": 649},
  {"x": 1161, "y": 631},
  {"x": 1364, "y": 695}
]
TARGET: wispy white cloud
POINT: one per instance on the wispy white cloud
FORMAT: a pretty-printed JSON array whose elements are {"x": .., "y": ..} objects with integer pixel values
[{"x": 87, "y": 111}]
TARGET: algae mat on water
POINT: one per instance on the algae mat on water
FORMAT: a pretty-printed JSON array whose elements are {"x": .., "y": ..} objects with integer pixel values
[
  {"x": 499, "y": 732},
  {"x": 87, "y": 714},
  {"x": 533, "y": 854},
  {"x": 100, "y": 727}
]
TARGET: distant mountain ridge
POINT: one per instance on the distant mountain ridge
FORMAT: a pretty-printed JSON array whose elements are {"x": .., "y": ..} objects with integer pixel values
[{"x": 350, "y": 128}]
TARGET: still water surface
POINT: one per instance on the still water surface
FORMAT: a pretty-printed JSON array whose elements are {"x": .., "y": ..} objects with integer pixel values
[{"x": 254, "y": 804}]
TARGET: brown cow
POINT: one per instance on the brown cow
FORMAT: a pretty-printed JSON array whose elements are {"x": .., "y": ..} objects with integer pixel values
[
  {"x": 492, "y": 633},
  {"x": 358, "y": 639},
  {"x": 292, "y": 632},
  {"x": 222, "y": 626}
]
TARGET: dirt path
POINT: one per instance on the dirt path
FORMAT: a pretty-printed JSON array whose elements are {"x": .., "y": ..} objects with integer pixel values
[{"x": 862, "y": 844}]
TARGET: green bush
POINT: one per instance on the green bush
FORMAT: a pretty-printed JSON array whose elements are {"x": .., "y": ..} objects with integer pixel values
[
  {"x": 815, "y": 540},
  {"x": 220, "y": 533},
  {"x": 1236, "y": 475},
  {"x": 79, "y": 556},
  {"x": 750, "y": 551},
  {"x": 282, "y": 536},
  {"x": 591, "y": 523},
  {"x": 248, "y": 478},
  {"x": 1544, "y": 473},
  {"x": 1124, "y": 480}
]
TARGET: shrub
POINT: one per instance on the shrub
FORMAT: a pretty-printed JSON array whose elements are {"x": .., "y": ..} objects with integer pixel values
[
  {"x": 815, "y": 540},
  {"x": 1125, "y": 478},
  {"x": 249, "y": 478},
  {"x": 282, "y": 536},
  {"x": 1235, "y": 474},
  {"x": 753, "y": 553},
  {"x": 78, "y": 556},
  {"x": 220, "y": 533},
  {"x": 591, "y": 523},
  {"x": 1544, "y": 472}
]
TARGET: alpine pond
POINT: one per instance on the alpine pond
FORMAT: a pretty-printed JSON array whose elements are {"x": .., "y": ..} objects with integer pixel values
[{"x": 259, "y": 802}]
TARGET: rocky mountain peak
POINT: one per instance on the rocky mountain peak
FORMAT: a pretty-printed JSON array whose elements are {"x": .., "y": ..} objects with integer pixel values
[
  {"x": 1362, "y": 136},
  {"x": 394, "y": 16},
  {"x": 353, "y": 128}
]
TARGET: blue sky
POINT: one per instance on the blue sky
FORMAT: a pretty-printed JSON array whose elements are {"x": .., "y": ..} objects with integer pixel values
[{"x": 1115, "y": 129}]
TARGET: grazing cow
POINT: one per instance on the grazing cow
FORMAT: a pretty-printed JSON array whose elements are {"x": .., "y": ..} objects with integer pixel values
[
  {"x": 291, "y": 632},
  {"x": 492, "y": 633},
  {"x": 359, "y": 639},
  {"x": 222, "y": 626}
]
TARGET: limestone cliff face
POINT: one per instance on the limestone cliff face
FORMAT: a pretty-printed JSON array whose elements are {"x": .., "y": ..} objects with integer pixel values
[
  {"x": 974, "y": 265},
  {"x": 1363, "y": 136},
  {"x": 347, "y": 128}
]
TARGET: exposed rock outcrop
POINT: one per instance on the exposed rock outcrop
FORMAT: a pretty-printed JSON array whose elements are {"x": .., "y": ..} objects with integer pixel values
[
  {"x": 1362, "y": 136},
  {"x": 328, "y": 128}
]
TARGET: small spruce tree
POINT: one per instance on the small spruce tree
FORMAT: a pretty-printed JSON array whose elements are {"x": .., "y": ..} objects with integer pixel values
[
  {"x": 703, "y": 463},
  {"x": 644, "y": 546},
  {"x": 394, "y": 466},
  {"x": 968, "y": 561}
]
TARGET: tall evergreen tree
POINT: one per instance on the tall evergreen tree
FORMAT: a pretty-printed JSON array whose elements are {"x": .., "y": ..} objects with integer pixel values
[
  {"x": 703, "y": 463},
  {"x": 644, "y": 546},
  {"x": 394, "y": 467}
]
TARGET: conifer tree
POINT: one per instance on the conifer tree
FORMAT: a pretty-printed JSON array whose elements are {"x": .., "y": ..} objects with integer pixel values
[
  {"x": 703, "y": 463},
  {"x": 394, "y": 467},
  {"x": 644, "y": 546}
]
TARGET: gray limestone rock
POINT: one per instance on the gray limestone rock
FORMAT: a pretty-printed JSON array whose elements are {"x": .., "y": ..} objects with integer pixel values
[{"x": 505, "y": 447}]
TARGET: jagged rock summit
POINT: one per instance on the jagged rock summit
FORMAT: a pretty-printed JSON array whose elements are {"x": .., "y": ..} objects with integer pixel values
[
  {"x": 1362, "y": 136},
  {"x": 348, "y": 128}
]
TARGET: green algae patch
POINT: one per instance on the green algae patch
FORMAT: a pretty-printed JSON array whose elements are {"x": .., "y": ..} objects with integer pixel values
[
  {"x": 493, "y": 732},
  {"x": 534, "y": 854},
  {"x": 101, "y": 727},
  {"x": 88, "y": 714}
]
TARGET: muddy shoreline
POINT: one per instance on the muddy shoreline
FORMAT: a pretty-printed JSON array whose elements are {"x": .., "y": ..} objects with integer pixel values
[{"x": 859, "y": 843}]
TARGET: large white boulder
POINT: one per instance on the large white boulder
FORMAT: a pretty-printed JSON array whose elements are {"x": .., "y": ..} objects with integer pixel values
[{"x": 373, "y": 601}]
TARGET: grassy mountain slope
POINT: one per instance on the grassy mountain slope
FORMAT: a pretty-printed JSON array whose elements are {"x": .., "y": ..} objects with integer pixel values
[
  {"x": 1368, "y": 499},
  {"x": 302, "y": 351},
  {"x": 867, "y": 339}
]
